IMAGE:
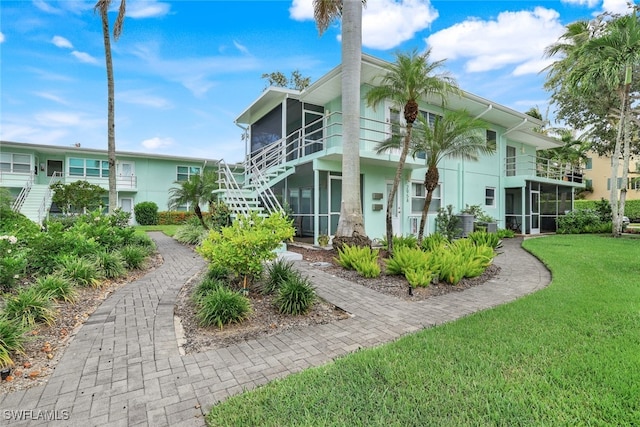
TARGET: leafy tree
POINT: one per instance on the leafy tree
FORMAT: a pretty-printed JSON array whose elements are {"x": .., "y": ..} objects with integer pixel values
[
  {"x": 350, "y": 229},
  {"x": 194, "y": 191},
  {"x": 102, "y": 6},
  {"x": 411, "y": 78},
  {"x": 594, "y": 79},
  {"x": 296, "y": 81},
  {"x": 77, "y": 197}
]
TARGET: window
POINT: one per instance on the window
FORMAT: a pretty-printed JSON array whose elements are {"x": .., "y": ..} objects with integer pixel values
[
  {"x": 418, "y": 195},
  {"x": 609, "y": 183},
  {"x": 88, "y": 168},
  {"x": 492, "y": 137},
  {"x": 186, "y": 172},
  {"x": 511, "y": 161},
  {"x": 13, "y": 162},
  {"x": 490, "y": 196},
  {"x": 589, "y": 163}
]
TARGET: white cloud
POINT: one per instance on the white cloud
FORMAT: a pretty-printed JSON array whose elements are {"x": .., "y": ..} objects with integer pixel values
[
  {"x": 242, "y": 48},
  {"x": 616, "y": 6},
  {"x": 52, "y": 97},
  {"x": 385, "y": 23},
  {"x": 46, "y": 7},
  {"x": 513, "y": 39},
  {"x": 587, "y": 3},
  {"x": 146, "y": 9},
  {"x": 61, "y": 42},
  {"x": 157, "y": 142},
  {"x": 139, "y": 97},
  {"x": 58, "y": 119},
  {"x": 85, "y": 57}
]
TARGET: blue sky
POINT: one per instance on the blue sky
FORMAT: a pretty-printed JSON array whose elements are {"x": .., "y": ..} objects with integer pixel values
[{"x": 186, "y": 69}]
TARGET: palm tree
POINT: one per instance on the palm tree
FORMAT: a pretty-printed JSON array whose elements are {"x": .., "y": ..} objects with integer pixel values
[
  {"x": 455, "y": 135},
  {"x": 600, "y": 59},
  {"x": 194, "y": 191},
  {"x": 102, "y": 6},
  {"x": 351, "y": 223},
  {"x": 411, "y": 78}
]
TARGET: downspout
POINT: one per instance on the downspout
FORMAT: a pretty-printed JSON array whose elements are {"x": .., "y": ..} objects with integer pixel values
[
  {"x": 519, "y": 125},
  {"x": 489, "y": 108}
]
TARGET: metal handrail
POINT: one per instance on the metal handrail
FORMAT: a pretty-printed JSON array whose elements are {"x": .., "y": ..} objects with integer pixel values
[
  {"x": 17, "y": 204},
  {"x": 232, "y": 190},
  {"x": 264, "y": 191},
  {"x": 45, "y": 206},
  {"x": 531, "y": 165}
]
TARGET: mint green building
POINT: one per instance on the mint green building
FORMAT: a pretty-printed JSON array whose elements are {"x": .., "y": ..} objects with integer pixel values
[
  {"x": 28, "y": 170},
  {"x": 294, "y": 153}
]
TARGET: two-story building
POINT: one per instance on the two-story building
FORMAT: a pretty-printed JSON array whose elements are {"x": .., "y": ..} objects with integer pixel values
[
  {"x": 28, "y": 170},
  {"x": 294, "y": 157},
  {"x": 597, "y": 174}
]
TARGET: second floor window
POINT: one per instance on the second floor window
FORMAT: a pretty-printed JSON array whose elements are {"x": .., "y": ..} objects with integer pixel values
[
  {"x": 490, "y": 196},
  {"x": 13, "y": 162},
  {"x": 90, "y": 168},
  {"x": 185, "y": 172},
  {"x": 588, "y": 163}
]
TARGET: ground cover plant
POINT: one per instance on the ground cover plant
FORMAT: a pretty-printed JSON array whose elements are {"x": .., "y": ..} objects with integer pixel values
[{"x": 565, "y": 355}]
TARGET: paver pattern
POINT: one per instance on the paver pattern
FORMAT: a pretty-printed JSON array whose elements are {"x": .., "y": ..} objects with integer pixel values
[{"x": 124, "y": 368}]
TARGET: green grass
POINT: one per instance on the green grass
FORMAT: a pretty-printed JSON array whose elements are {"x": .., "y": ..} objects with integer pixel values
[
  {"x": 566, "y": 355},
  {"x": 169, "y": 230}
]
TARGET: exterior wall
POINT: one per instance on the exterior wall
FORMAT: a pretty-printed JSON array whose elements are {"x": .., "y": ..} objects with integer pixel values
[
  {"x": 598, "y": 172},
  {"x": 151, "y": 179}
]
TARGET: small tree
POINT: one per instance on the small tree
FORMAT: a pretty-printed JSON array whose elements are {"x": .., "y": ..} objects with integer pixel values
[
  {"x": 247, "y": 244},
  {"x": 78, "y": 197},
  {"x": 197, "y": 189}
]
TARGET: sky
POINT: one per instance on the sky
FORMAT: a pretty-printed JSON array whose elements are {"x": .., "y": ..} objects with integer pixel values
[{"x": 185, "y": 70}]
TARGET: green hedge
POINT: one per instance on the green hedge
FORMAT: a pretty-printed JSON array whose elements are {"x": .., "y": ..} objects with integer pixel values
[{"x": 631, "y": 208}]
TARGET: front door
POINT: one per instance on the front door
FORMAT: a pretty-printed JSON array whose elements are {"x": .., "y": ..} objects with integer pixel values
[
  {"x": 126, "y": 204},
  {"x": 535, "y": 212},
  {"x": 396, "y": 211}
]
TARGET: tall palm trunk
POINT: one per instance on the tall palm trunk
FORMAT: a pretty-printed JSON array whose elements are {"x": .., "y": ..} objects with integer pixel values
[
  {"x": 111, "y": 132},
  {"x": 431, "y": 179},
  {"x": 351, "y": 223},
  {"x": 615, "y": 163},
  {"x": 396, "y": 183}
]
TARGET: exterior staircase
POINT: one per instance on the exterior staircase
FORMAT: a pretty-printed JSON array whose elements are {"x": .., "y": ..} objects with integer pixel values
[
  {"x": 253, "y": 193},
  {"x": 36, "y": 203}
]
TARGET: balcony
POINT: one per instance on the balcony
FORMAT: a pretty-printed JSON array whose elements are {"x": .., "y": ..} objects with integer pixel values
[{"x": 529, "y": 166}]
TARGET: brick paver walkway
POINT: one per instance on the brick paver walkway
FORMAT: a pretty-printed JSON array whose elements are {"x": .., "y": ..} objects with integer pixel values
[{"x": 123, "y": 368}]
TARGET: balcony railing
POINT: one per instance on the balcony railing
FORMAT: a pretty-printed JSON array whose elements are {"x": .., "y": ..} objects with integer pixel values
[{"x": 529, "y": 165}]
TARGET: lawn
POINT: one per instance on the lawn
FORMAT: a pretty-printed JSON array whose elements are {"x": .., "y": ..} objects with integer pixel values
[
  {"x": 169, "y": 230},
  {"x": 566, "y": 355}
]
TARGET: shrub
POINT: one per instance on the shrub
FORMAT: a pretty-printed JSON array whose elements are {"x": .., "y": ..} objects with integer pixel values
[
  {"x": 247, "y": 244},
  {"x": 13, "y": 262},
  {"x": 191, "y": 234},
  {"x": 143, "y": 241},
  {"x": 410, "y": 241},
  {"x": 504, "y": 233},
  {"x": 133, "y": 257},
  {"x": 223, "y": 306},
  {"x": 350, "y": 256},
  {"x": 483, "y": 238},
  {"x": 11, "y": 340},
  {"x": 110, "y": 264},
  {"x": 57, "y": 287},
  {"x": 415, "y": 264},
  {"x": 205, "y": 287},
  {"x": 447, "y": 223},
  {"x": 434, "y": 242},
  {"x": 29, "y": 307},
  {"x": 421, "y": 277},
  {"x": 217, "y": 271},
  {"x": 219, "y": 215},
  {"x": 81, "y": 271},
  {"x": 278, "y": 272},
  {"x": 295, "y": 296},
  {"x": 146, "y": 213},
  {"x": 578, "y": 221}
]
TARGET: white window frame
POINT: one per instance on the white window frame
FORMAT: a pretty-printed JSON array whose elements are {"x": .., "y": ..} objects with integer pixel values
[
  {"x": 436, "y": 196},
  {"x": 492, "y": 197}
]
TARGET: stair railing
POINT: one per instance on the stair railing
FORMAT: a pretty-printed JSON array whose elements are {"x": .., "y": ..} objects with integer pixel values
[
  {"x": 234, "y": 196},
  {"x": 17, "y": 204},
  {"x": 263, "y": 190},
  {"x": 45, "y": 206}
]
